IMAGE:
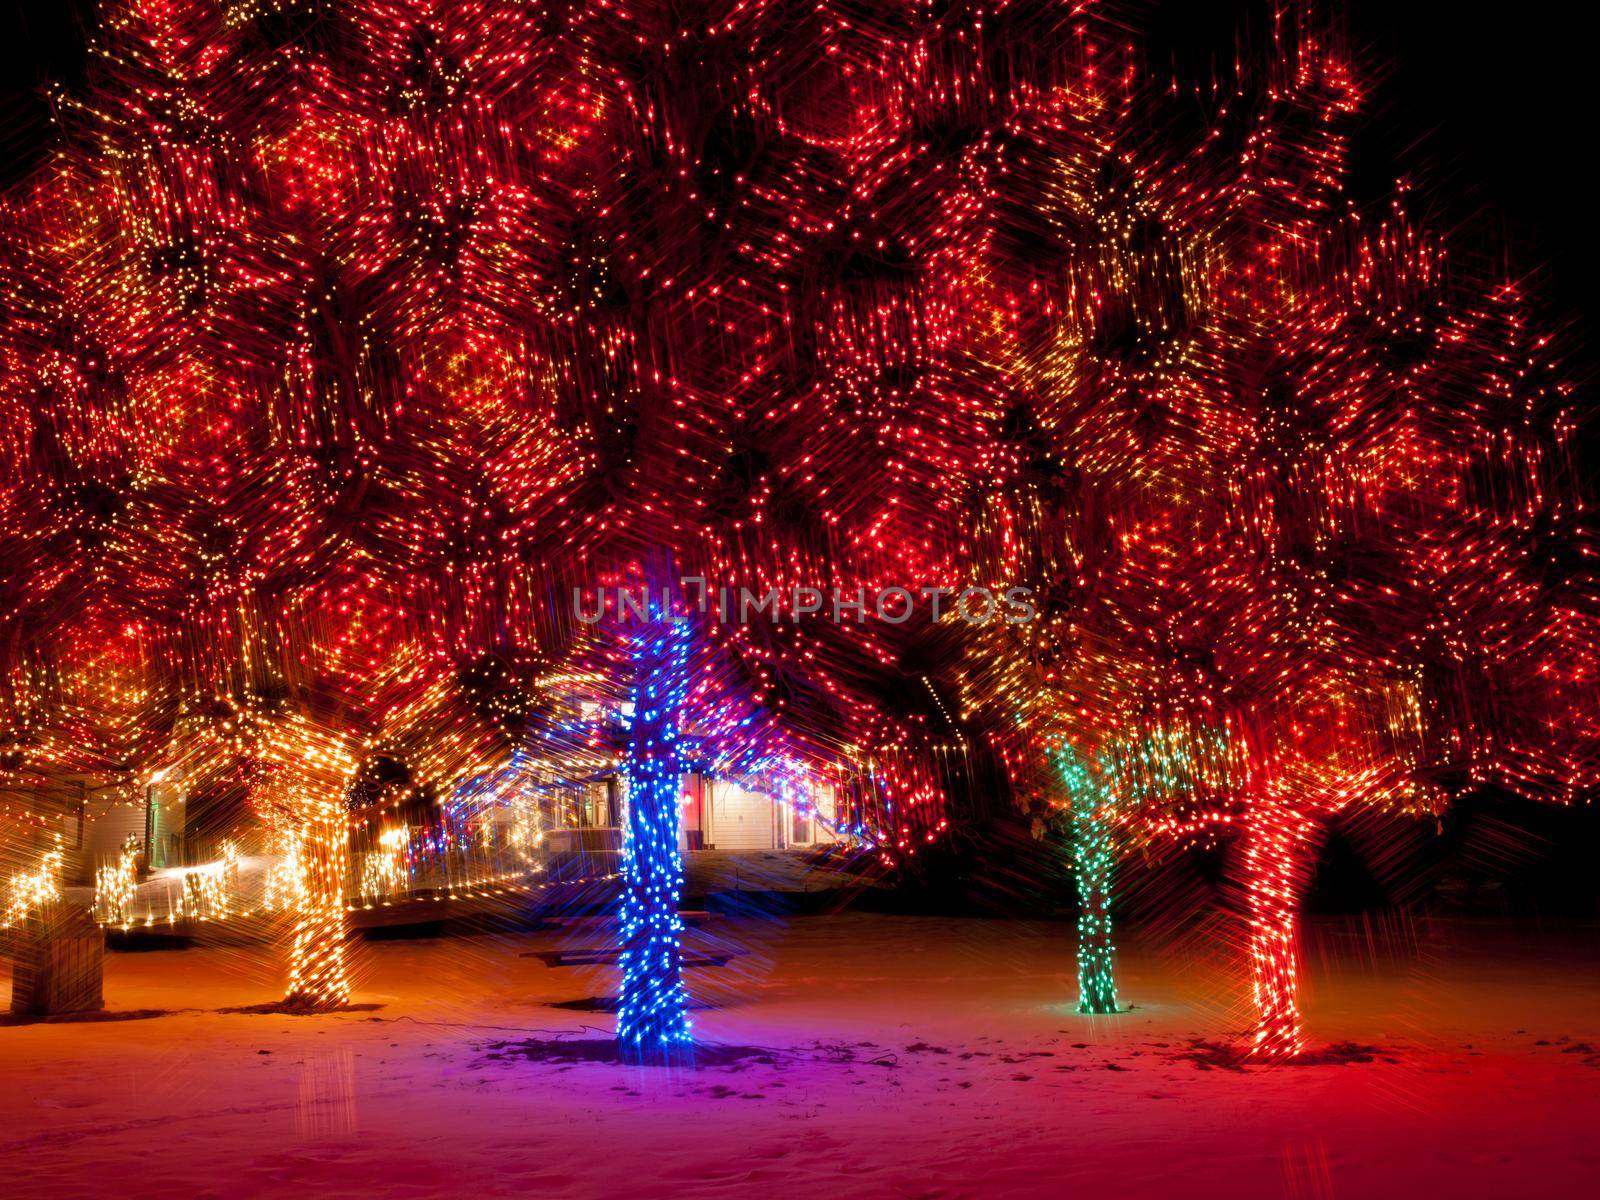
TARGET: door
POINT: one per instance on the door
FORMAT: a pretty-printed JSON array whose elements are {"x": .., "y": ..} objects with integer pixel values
[{"x": 741, "y": 820}]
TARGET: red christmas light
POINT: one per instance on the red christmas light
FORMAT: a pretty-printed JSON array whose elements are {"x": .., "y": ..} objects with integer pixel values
[{"x": 346, "y": 342}]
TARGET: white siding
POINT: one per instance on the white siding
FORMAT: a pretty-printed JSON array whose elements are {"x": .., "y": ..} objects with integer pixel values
[{"x": 107, "y": 829}]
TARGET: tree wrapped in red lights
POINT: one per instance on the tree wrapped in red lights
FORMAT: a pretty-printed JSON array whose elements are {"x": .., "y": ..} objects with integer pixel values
[
  {"x": 1284, "y": 490},
  {"x": 351, "y": 339},
  {"x": 238, "y": 340},
  {"x": 386, "y": 321}
]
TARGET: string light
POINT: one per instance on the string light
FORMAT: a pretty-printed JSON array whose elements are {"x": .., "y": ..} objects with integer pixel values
[
  {"x": 116, "y": 884},
  {"x": 31, "y": 890},
  {"x": 210, "y": 892},
  {"x": 330, "y": 361},
  {"x": 1277, "y": 863},
  {"x": 1094, "y": 861},
  {"x": 318, "y": 977},
  {"x": 1295, "y": 503},
  {"x": 652, "y": 1015},
  {"x": 384, "y": 871}
]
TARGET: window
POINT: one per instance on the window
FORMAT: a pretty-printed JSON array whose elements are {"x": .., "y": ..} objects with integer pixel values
[{"x": 597, "y": 805}]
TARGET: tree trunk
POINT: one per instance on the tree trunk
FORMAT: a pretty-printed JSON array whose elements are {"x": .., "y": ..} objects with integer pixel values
[
  {"x": 318, "y": 980},
  {"x": 652, "y": 1018},
  {"x": 1097, "y": 991},
  {"x": 1278, "y": 846}
]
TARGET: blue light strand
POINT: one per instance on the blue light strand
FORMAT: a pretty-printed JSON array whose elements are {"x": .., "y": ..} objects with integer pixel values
[{"x": 653, "y": 1016}]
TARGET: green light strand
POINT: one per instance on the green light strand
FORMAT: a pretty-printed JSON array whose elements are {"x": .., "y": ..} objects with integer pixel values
[
  {"x": 1097, "y": 988},
  {"x": 1095, "y": 862},
  {"x": 1162, "y": 767}
]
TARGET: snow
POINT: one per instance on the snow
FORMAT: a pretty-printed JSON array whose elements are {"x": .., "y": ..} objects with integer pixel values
[{"x": 873, "y": 1056}]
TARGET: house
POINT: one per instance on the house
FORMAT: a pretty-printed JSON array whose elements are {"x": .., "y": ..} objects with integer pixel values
[
  {"x": 729, "y": 814},
  {"x": 182, "y": 857}
]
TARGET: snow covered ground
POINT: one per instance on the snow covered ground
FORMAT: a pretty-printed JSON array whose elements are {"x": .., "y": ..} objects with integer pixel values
[{"x": 871, "y": 1056}]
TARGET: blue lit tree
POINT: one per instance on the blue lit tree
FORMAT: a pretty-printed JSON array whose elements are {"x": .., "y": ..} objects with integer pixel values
[{"x": 652, "y": 1018}]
